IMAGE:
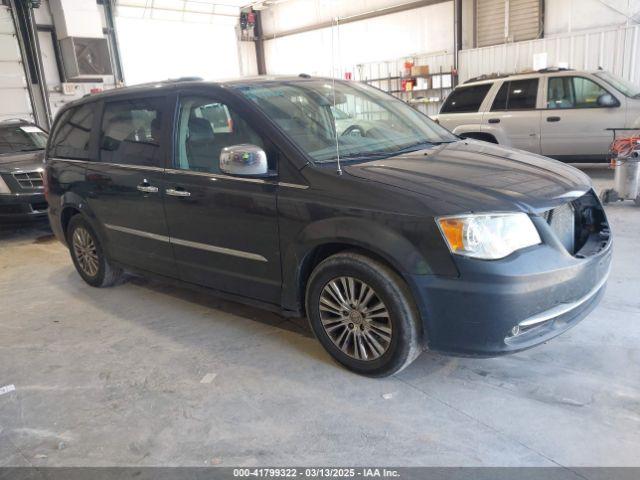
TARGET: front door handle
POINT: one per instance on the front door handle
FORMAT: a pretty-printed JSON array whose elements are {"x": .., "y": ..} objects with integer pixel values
[
  {"x": 177, "y": 193},
  {"x": 146, "y": 188},
  {"x": 494, "y": 120},
  {"x": 553, "y": 119}
]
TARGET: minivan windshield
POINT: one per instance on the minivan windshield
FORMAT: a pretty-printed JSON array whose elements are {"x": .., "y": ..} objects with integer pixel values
[
  {"x": 369, "y": 124},
  {"x": 21, "y": 138},
  {"x": 620, "y": 84}
]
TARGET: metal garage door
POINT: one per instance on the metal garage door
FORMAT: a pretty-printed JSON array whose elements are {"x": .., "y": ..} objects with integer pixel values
[
  {"x": 14, "y": 96},
  {"x": 500, "y": 21}
]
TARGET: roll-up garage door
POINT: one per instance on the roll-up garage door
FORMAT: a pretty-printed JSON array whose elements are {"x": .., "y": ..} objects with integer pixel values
[
  {"x": 500, "y": 21},
  {"x": 14, "y": 95}
]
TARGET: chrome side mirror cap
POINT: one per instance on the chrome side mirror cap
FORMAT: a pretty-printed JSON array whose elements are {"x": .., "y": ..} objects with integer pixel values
[
  {"x": 608, "y": 100},
  {"x": 244, "y": 159}
]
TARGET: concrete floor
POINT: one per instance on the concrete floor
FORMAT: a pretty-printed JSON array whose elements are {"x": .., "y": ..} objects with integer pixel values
[{"x": 115, "y": 377}]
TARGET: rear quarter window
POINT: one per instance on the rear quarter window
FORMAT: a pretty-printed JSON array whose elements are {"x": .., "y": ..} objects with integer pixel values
[
  {"x": 72, "y": 135},
  {"x": 466, "y": 99}
]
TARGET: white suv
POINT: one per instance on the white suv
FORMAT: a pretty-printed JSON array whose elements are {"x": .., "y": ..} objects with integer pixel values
[{"x": 562, "y": 114}]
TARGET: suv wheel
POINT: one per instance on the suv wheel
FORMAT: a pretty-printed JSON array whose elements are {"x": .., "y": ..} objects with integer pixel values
[
  {"x": 88, "y": 256},
  {"x": 363, "y": 314}
]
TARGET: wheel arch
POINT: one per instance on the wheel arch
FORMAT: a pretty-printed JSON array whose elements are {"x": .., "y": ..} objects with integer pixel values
[{"x": 314, "y": 245}]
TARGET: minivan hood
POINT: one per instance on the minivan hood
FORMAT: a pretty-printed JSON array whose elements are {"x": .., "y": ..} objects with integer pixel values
[
  {"x": 11, "y": 162},
  {"x": 473, "y": 176}
]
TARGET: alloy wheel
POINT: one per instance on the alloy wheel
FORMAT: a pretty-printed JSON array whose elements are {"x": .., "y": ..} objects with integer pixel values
[
  {"x": 85, "y": 251},
  {"x": 355, "y": 318}
]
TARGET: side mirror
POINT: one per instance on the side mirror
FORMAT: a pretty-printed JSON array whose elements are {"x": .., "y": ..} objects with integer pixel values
[
  {"x": 607, "y": 100},
  {"x": 244, "y": 159}
]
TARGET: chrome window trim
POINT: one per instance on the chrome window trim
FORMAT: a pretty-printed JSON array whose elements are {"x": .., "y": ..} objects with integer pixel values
[
  {"x": 188, "y": 243},
  {"x": 174, "y": 171}
]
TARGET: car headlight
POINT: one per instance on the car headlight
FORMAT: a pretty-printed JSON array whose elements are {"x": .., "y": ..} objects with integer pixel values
[
  {"x": 488, "y": 236},
  {"x": 4, "y": 188}
]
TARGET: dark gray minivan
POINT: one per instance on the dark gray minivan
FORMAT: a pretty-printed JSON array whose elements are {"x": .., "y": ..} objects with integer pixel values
[{"x": 333, "y": 200}]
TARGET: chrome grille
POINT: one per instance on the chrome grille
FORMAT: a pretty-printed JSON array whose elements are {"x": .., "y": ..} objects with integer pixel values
[
  {"x": 29, "y": 179},
  {"x": 562, "y": 221}
]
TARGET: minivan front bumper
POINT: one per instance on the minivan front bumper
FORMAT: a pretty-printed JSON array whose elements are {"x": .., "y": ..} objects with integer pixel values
[{"x": 504, "y": 306}]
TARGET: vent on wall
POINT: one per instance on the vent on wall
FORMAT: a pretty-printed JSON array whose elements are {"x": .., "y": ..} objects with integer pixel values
[
  {"x": 86, "y": 57},
  {"x": 503, "y": 21}
]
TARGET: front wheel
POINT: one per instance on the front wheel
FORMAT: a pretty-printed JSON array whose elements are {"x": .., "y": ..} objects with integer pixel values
[{"x": 363, "y": 314}]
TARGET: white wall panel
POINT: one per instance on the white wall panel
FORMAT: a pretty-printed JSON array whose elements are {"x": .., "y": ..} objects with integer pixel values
[
  {"x": 425, "y": 29},
  {"x": 616, "y": 50},
  {"x": 565, "y": 16},
  {"x": 14, "y": 96},
  {"x": 153, "y": 50}
]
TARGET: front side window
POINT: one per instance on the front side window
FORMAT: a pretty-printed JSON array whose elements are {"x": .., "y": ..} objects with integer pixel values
[
  {"x": 131, "y": 132},
  {"x": 205, "y": 127},
  {"x": 71, "y": 139},
  {"x": 352, "y": 120},
  {"x": 21, "y": 138},
  {"x": 573, "y": 92},
  {"x": 517, "y": 95},
  {"x": 466, "y": 99}
]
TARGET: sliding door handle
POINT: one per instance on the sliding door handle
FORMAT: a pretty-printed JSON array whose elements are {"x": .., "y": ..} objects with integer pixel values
[
  {"x": 146, "y": 188},
  {"x": 177, "y": 193}
]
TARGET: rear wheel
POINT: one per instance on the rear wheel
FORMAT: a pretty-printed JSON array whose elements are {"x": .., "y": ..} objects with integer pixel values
[
  {"x": 88, "y": 256},
  {"x": 363, "y": 314}
]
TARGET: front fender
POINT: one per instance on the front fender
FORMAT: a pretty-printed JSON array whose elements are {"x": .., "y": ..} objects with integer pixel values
[{"x": 365, "y": 234}]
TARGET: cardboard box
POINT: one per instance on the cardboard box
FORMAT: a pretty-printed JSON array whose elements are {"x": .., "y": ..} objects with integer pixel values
[{"x": 420, "y": 71}]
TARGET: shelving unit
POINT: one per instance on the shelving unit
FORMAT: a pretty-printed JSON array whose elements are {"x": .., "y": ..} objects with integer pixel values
[{"x": 388, "y": 76}]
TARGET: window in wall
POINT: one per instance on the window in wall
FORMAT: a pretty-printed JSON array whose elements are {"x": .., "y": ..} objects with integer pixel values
[
  {"x": 517, "y": 95},
  {"x": 573, "y": 92},
  {"x": 206, "y": 126},
  {"x": 466, "y": 99},
  {"x": 71, "y": 138},
  {"x": 131, "y": 132}
]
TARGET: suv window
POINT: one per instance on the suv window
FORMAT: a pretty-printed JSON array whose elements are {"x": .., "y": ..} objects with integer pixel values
[
  {"x": 205, "y": 127},
  {"x": 131, "y": 131},
  {"x": 573, "y": 92},
  {"x": 71, "y": 139},
  {"x": 517, "y": 95},
  {"x": 466, "y": 99}
]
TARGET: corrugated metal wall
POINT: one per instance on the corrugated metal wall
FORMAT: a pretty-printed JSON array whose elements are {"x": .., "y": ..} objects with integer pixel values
[
  {"x": 507, "y": 20},
  {"x": 14, "y": 96},
  {"x": 615, "y": 49}
]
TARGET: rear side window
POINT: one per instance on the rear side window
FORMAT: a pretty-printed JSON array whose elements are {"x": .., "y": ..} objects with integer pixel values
[
  {"x": 72, "y": 137},
  {"x": 131, "y": 130},
  {"x": 516, "y": 95},
  {"x": 466, "y": 99}
]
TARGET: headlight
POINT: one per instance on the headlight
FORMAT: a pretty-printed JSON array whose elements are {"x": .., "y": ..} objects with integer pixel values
[
  {"x": 4, "y": 189},
  {"x": 488, "y": 236}
]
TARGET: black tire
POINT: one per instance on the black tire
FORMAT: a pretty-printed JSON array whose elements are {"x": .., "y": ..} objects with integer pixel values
[
  {"x": 402, "y": 317},
  {"x": 99, "y": 274}
]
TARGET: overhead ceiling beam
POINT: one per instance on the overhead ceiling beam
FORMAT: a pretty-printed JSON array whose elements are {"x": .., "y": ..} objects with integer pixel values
[{"x": 356, "y": 18}]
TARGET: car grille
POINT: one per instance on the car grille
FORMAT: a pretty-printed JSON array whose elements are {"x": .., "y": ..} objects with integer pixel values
[
  {"x": 29, "y": 180},
  {"x": 562, "y": 221}
]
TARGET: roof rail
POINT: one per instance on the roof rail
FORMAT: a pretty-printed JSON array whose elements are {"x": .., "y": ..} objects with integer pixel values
[
  {"x": 554, "y": 69},
  {"x": 491, "y": 76},
  {"x": 14, "y": 120}
]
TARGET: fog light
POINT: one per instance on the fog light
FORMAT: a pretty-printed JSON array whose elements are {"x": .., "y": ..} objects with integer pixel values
[{"x": 515, "y": 330}]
